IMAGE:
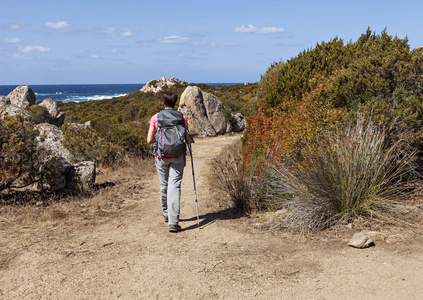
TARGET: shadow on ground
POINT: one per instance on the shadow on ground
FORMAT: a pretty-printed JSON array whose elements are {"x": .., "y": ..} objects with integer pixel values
[{"x": 210, "y": 218}]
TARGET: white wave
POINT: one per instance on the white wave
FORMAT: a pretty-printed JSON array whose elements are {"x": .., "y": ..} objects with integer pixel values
[{"x": 91, "y": 98}]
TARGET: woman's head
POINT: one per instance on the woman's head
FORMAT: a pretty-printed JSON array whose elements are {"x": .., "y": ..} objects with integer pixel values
[{"x": 169, "y": 98}]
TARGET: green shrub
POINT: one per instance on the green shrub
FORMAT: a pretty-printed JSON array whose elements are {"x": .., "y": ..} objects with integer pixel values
[
  {"x": 19, "y": 156},
  {"x": 131, "y": 139},
  {"x": 227, "y": 112},
  {"x": 39, "y": 113},
  {"x": 86, "y": 144}
]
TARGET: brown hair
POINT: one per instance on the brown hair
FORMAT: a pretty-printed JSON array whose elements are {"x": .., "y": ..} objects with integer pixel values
[{"x": 169, "y": 98}]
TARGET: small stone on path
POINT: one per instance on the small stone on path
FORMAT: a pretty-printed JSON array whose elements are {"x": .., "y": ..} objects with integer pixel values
[{"x": 361, "y": 240}]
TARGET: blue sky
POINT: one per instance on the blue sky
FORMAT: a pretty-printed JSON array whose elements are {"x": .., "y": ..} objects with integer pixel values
[{"x": 126, "y": 41}]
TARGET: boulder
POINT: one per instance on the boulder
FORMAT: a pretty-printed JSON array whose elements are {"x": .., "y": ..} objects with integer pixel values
[
  {"x": 158, "y": 85},
  {"x": 57, "y": 115},
  {"x": 55, "y": 179},
  {"x": 50, "y": 139},
  {"x": 22, "y": 96},
  {"x": 214, "y": 110},
  {"x": 204, "y": 112},
  {"x": 192, "y": 106},
  {"x": 361, "y": 240},
  {"x": 238, "y": 122},
  {"x": 81, "y": 176},
  {"x": 13, "y": 110}
]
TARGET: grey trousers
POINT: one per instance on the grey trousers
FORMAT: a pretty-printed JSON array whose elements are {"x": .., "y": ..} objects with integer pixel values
[{"x": 170, "y": 176}]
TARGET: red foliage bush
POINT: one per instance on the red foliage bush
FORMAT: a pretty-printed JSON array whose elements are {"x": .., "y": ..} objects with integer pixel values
[{"x": 278, "y": 133}]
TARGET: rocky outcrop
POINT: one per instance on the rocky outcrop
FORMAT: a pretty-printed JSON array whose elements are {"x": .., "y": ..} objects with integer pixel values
[
  {"x": 13, "y": 110},
  {"x": 61, "y": 173},
  {"x": 57, "y": 115},
  {"x": 50, "y": 140},
  {"x": 22, "y": 96},
  {"x": 14, "y": 104},
  {"x": 204, "y": 112},
  {"x": 158, "y": 85},
  {"x": 80, "y": 176}
]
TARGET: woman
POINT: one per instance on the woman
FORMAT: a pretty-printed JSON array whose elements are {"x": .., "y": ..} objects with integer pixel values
[{"x": 169, "y": 169}]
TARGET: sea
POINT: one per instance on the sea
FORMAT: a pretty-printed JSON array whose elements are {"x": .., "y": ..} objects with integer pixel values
[{"x": 83, "y": 92}]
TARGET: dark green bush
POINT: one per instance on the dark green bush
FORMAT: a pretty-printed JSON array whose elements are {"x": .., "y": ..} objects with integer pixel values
[
  {"x": 86, "y": 144},
  {"x": 375, "y": 65},
  {"x": 19, "y": 156},
  {"x": 39, "y": 113}
]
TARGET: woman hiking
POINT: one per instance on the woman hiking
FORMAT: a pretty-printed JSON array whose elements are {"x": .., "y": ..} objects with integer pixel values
[{"x": 168, "y": 132}]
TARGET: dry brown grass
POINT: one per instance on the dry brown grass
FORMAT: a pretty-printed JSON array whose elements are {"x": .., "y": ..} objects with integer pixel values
[
  {"x": 113, "y": 184},
  {"x": 352, "y": 176},
  {"x": 239, "y": 185}
]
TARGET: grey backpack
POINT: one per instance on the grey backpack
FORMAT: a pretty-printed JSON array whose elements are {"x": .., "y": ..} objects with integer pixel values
[{"x": 170, "y": 134}]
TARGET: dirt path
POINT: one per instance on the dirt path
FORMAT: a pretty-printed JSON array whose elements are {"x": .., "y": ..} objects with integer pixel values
[{"x": 131, "y": 255}]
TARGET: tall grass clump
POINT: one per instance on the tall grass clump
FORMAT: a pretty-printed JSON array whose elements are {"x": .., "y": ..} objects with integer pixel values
[
  {"x": 240, "y": 184},
  {"x": 349, "y": 173},
  {"x": 234, "y": 181}
]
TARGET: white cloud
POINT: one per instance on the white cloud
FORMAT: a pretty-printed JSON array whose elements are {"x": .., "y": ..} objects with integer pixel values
[
  {"x": 16, "y": 25},
  {"x": 252, "y": 29},
  {"x": 271, "y": 30},
  {"x": 61, "y": 25},
  {"x": 174, "y": 39},
  {"x": 11, "y": 41},
  {"x": 32, "y": 49},
  {"x": 94, "y": 56},
  {"x": 126, "y": 33},
  {"x": 107, "y": 30},
  {"x": 113, "y": 31}
]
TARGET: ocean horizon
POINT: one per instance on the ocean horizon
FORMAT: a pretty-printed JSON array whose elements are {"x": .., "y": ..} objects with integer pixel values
[{"x": 83, "y": 92}]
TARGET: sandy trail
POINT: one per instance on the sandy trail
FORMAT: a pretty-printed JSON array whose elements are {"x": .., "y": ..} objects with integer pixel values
[{"x": 131, "y": 255}]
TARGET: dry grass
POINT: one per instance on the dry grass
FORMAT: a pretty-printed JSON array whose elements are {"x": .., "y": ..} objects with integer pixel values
[
  {"x": 241, "y": 187},
  {"x": 113, "y": 184},
  {"x": 351, "y": 175}
]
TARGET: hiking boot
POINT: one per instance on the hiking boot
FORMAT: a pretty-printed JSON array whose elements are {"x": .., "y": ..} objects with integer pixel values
[
  {"x": 166, "y": 218},
  {"x": 174, "y": 228}
]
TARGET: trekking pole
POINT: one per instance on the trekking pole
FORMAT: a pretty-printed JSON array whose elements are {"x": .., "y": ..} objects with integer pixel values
[{"x": 195, "y": 189}]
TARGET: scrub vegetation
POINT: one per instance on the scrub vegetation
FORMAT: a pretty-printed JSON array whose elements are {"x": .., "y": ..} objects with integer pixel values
[
  {"x": 337, "y": 136},
  {"x": 123, "y": 121}
]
